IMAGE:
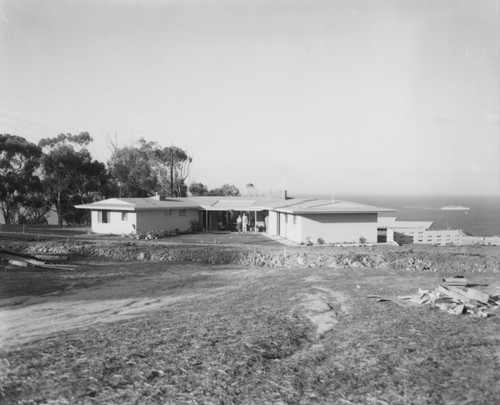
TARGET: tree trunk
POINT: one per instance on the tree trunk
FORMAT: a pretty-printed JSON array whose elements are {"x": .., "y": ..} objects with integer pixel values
[
  {"x": 58, "y": 209},
  {"x": 7, "y": 216}
]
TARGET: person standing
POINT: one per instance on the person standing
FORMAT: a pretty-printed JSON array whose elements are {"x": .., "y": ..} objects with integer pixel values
[
  {"x": 244, "y": 223},
  {"x": 238, "y": 223}
]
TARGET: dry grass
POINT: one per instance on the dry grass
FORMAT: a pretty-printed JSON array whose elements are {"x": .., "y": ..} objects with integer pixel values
[{"x": 254, "y": 344}]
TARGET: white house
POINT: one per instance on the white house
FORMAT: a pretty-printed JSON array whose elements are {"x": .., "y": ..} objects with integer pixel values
[
  {"x": 404, "y": 232},
  {"x": 140, "y": 215},
  {"x": 298, "y": 220},
  {"x": 330, "y": 221}
]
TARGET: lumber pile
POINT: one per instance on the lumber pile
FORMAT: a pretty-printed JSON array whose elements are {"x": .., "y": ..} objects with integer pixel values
[
  {"x": 453, "y": 296},
  {"x": 20, "y": 260}
]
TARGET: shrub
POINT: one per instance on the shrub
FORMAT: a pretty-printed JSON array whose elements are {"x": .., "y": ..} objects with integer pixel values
[
  {"x": 362, "y": 240},
  {"x": 321, "y": 241},
  {"x": 157, "y": 234},
  {"x": 196, "y": 225}
]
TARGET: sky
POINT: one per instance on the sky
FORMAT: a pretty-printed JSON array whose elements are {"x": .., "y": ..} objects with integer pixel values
[{"x": 309, "y": 96}]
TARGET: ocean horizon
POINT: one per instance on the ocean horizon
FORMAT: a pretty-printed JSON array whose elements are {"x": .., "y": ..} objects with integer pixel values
[{"x": 482, "y": 219}]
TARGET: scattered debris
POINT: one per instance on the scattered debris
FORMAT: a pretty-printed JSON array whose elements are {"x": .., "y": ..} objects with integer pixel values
[
  {"x": 457, "y": 281},
  {"x": 19, "y": 260},
  {"x": 452, "y": 299},
  {"x": 493, "y": 289},
  {"x": 53, "y": 257}
]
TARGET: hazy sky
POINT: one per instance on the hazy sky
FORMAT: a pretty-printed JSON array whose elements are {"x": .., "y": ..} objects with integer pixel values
[{"x": 386, "y": 96}]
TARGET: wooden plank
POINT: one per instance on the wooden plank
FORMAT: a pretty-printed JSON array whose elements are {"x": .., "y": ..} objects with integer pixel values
[
  {"x": 494, "y": 290},
  {"x": 4, "y": 252},
  {"x": 51, "y": 257},
  {"x": 471, "y": 294},
  {"x": 35, "y": 262},
  {"x": 58, "y": 267},
  {"x": 6, "y": 256},
  {"x": 18, "y": 263},
  {"x": 475, "y": 294},
  {"x": 458, "y": 281},
  {"x": 456, "y": 293},
  {"x": 25, "y": 262}
]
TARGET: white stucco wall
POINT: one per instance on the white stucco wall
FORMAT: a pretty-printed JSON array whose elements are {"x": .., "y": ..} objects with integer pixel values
[
  {"x": 337, "y": 228},
  {"x": 273, "y": 223},
  {"x": 156, "y": 220},
  {"x": 293, "y": 230},
  {"x": 144, "y": 221},
  {"x": 115, "y": 224}
]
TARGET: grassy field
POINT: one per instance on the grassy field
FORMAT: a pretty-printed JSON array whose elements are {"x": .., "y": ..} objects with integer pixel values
[{"x": 178, "y": 333}]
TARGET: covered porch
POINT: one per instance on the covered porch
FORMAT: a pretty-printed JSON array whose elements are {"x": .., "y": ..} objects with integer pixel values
[{"x": 223, "y": 215}]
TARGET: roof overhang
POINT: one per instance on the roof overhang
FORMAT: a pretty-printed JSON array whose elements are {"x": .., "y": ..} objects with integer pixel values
[
  {"x": 243, "y": 209},
  {"x": 323, "y": 212},
  {"x": 299, "y": 207},
  {"x": 132, "y": 208}
]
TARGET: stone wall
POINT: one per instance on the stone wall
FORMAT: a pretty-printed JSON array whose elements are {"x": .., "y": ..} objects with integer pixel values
[{"x": 435, "y": 259}]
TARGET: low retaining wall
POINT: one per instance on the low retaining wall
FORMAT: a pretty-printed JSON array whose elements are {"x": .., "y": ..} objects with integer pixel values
[{"x": 435, "y": 259}]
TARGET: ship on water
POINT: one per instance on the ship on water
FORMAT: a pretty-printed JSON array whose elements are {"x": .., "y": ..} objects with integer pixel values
[{"x": 455, "y": 208}]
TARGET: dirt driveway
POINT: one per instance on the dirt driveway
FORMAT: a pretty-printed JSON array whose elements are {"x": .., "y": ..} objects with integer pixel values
[
  {"x": 40, "y": 303},
  {"x": 35, "y": 304}
]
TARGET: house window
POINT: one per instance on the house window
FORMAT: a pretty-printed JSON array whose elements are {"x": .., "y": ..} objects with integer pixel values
[
  {"x": 102, "y": 217},
  {"x": 182, "y": 213},
  {"x": 124, "y": 216}
]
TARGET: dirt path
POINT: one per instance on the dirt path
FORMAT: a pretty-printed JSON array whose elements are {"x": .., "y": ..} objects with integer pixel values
[
  {"x": 118, "y": 291},
  {"x": 25, "y": 318}
]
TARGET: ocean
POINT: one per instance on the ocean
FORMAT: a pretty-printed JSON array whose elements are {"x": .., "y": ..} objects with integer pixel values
[{"x": 483, "y": 218}]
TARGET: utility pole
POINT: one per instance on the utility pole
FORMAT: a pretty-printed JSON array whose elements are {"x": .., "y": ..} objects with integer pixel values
[{"x": 171, "y": 173}]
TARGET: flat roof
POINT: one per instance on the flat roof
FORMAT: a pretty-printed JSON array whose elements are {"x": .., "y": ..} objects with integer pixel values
[
  {"x": 330, "y": 207},
  {"x": 216, "y": 203},
  {"x": 139, "y": 204},
  {"x": 393, "y": 223}
]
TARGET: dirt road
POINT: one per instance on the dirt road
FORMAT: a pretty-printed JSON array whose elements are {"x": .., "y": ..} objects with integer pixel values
[
  {"x": 38, "y": 304},
  {"x": 110, "y": 293}
]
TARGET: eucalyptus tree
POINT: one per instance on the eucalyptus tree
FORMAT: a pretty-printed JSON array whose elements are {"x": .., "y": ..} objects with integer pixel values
[
  {"x": 147, "y": 169},
  {"x": 70, "y": 175},
  {"x": 197, "y": 189},
  {"x": 225, "y": 190},
  {"x": 19, "y": 161}
]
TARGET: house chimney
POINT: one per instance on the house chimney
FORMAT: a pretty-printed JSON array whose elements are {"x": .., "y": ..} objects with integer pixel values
[{"x": 158, "y": 197}]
